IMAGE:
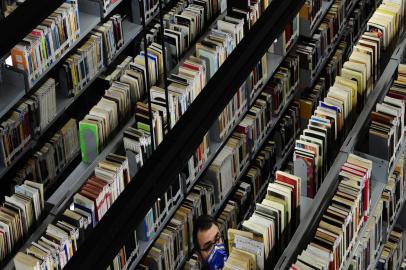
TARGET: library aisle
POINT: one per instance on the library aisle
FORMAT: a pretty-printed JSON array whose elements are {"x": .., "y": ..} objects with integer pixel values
[{"x": 203, "y": 134}]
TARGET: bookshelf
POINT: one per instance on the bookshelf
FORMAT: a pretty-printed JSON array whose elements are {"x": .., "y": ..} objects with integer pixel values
[
  {"x": 87, "y": 20},
  {"x": 328, "y": 187},
  {"x": 280, "y": 161},
  {"x": 14, "y": 86},
  {"x": 377, "y": 186},
  {"x": 176, "y": 131},
  {"x": 58, "y": 199},
  {"x": 34, "y": 236},
  {"x": 61, "y": 197}
]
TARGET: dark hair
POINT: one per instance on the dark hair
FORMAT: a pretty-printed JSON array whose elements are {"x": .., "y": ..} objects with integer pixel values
[{"x": 203, "y": 223}]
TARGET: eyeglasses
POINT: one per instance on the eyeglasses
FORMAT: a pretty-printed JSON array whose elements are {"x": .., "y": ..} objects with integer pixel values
[{"x": 210, "y": 245}]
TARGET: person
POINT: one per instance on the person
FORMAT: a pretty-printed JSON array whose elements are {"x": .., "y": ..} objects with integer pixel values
[{"x": 209, "y": 243}]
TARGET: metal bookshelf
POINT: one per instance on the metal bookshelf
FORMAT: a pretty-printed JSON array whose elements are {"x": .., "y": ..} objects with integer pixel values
[
  {"x": 328, "y": 187},
  {"x": 32, "y": 238},
  {"x": 376, "y": 191},
  {"x": 274, "y": 62},
  {"x": 87, "y": 21},
  {"x": 61, "y": 197},
  {"x": 101, "y": 227}
]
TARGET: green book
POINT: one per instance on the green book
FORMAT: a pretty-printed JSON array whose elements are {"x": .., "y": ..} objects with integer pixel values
[{"x": 89, "y": 140}]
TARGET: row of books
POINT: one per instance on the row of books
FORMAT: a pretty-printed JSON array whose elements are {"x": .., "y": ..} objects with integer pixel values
[
  {"x": 103, "y": 119},
  {"x": 63, "y": 236},
  {"x": 265, "y": 234},
  {"x": 342, "y": 220},
  {"x": 260, "y": 170},
  {"x": 183, "y": 23},
  {"x": 232, "y": 112},
  {"x": 82, "y": 65},
  {"x": 27, "y": 119},
  {"x": 18, "y": 213},
  {"x": 283, "y": 82},
  {"x": 47, "y": 163},
  {"x": 113, "y": 36},
  {"x": 278, "y": 89},
  {"x": 323, "y": 130},
  {"x": 334, "y": 66},
  {"x": 310, "y": 98},
  {"x": 227, "y": 166},
  {"x": 133, "y": 71},
  {"x": 314, "y": 50},
  {"x": 387, "y": 126},
  {"x": 287, "y": 129},
  {"x": 48, "y": 41},
  {"x": 381, "y": 221}
]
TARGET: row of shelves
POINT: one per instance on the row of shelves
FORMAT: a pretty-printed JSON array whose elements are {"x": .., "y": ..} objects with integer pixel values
[
  {"x": 275, "y": 61},
  {"x": 327, "y": 189},
  {"x": 60, "y": 198},
  {"x": 12, "y": 91}
]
